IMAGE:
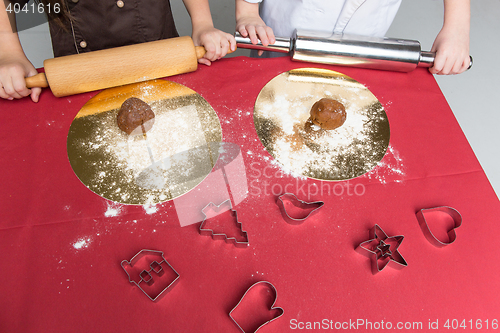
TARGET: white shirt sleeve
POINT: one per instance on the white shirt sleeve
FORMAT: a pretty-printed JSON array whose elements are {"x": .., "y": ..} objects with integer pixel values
[{"x": 253, "y": 1}]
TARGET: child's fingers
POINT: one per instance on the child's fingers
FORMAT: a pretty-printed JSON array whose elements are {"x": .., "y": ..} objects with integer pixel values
[
  {"x": 242, "y": 30},
  {"x": 455, "y": 65},
  {"x": 35, "y": 94},
  {"x": 9, "y": 90},
  {"x": 262, "y": 35},
  {"x": 437, "y": 66},
  {"x": 463, "y": 65},
  {"x": 204, "y": 61},
  {"x": 270, "y": 35},
  {"x": 252, "y": 34},
  {"x": 231, "y": 42},
  {"x": 447, "y": 67},
  {"x": 3, "y": 94},
  {"x": 259, "y": 32},
  {"x": 12, "y": 82},
  {"x": 225, "y": 42},
  {"x": 467, "y": 63},
  {"x": 458, "y": 67},
  {"x": 224, "y": 47},
  {"x": 211, "y": 51},
  {"x": 19, "y": 85},
  {"x": 217, "y": 46}
]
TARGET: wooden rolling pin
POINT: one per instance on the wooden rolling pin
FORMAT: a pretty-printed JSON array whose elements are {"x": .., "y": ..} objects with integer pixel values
[{"x": 75, "y": 74}]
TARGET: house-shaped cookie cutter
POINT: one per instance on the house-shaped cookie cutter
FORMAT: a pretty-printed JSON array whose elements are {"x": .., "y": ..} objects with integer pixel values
[{"x": 155, "y": 278}]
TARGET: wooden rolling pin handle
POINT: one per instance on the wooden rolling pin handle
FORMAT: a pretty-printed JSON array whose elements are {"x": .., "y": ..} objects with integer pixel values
[
  {"x": 200, "y": 51},
  {"x": 38, "y": 80}
]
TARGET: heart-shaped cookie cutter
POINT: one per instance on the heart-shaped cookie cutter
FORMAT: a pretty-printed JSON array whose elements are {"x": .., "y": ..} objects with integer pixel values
[
  {"x": 272, "y": 307},
  {"x": 452, "y": 236},
  {"x": 292, "y": 198}
]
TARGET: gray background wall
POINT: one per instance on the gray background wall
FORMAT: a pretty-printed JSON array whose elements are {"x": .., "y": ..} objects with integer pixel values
[{"x": 473, "y": 96}]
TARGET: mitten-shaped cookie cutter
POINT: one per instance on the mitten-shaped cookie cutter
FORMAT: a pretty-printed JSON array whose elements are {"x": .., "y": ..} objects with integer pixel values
[{"x": 270, "y": 289}]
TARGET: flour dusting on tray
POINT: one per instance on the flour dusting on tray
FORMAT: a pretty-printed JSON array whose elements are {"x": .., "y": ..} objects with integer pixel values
[
  {"x": 117, "y": 166},
  {"x": 283, "y": 108}
]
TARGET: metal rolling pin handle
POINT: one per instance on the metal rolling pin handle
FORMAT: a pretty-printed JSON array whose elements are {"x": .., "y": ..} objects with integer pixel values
[
  {"x": 427, "y": 59},
  {"x": 282, "y": 45}
]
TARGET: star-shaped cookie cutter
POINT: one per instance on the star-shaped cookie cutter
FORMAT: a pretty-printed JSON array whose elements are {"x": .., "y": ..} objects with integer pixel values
[
  {"x": 383, "y": 250},
  {"x": 220, "y": 236}
]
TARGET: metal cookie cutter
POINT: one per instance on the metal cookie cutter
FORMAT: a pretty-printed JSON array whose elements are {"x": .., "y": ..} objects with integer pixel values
[
  {"x": 383, "y": 250},
  {"x": 296, "y": 211},
  {"x": 146, "y": 264},
  {"x": 249, "y": 325},
  {"x": 221, "y": 236},
  {"x": 449, "y": 211}
]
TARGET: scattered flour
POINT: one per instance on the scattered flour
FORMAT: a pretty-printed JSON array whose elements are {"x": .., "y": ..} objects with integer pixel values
[
  {"x": 82, "y": 243},
  {"x": 150, "y": 209},
  {"x": 114, "y": 209},
  {"x": 390, "y": 169}
]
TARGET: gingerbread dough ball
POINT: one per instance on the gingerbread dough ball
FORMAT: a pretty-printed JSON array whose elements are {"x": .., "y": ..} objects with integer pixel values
[
  {"x": 135, "y": 116},
  {"x": 328, "y": 114}
]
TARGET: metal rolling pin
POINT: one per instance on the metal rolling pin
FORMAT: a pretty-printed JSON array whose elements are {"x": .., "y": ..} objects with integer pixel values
[{"x": 348, "y": 50}]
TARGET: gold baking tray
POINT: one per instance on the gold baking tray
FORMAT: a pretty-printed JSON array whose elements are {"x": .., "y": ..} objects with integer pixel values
[
  {"x": 283, "y": 107},
  {"x": 175, "y": 153}
]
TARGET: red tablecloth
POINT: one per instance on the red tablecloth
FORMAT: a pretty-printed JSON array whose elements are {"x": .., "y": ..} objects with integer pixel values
[{"x": 61, "y": 248}]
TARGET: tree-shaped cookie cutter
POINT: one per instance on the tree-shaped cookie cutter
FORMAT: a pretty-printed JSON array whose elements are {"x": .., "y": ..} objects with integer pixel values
[
  {"x": 383, "y": 250},
  {"x": 220, "y": 236}
]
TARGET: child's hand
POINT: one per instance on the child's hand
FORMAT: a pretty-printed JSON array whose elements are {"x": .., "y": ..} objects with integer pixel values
[
  {"x": 217, "y": 43},
  {"x": 452, "y": 52},
  {"x": 13, "y": 70},
  {"x": 250, "y": 24},
  {"x": 452, "y": 42},
  {"x": 255, "y": 29}
]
